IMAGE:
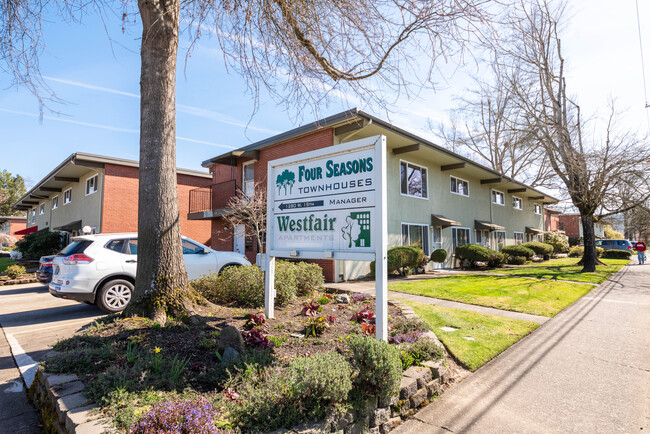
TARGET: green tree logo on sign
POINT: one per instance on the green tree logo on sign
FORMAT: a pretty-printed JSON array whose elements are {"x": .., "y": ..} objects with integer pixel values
[
  {"x": 284, "y": 180},
  {"x": 357, "y": 230}
]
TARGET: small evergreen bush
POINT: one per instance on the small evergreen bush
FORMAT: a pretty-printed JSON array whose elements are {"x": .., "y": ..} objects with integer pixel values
[
  {"x": 320, "y": 380},
  {"x": 401, "y": 325},
  {"x": 579, "y": 251},
  {"x": 559, "y": 241},
  {"x": 516, "y": 260},
  {"x": 14, "y": 271},
  {"x": 439, "y": 255},
  {"x": 617, "y": 254},
  {"x": 540, "y": 249},
  {"x": 402, "y": 259},
  {"x": 309, "y": 278},
  {"x": 474, "y": 253},
  {"x": 38, "y": 244},
  {"x": 517, "y": 250},
  {"x": 379, "y": 367},
  {"x": 286, "y": 284}
]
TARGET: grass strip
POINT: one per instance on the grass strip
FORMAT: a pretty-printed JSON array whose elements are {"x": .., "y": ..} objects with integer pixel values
[
  {"x": 532, "y": 296},
  {"x": 491, "y": 334},
  {"x": 566, "y": 269}
]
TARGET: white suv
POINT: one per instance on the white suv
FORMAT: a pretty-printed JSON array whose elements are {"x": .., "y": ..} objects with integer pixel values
[{"x": 100, "y": 269}]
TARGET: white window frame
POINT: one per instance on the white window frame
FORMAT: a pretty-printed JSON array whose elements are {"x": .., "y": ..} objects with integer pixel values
[
  {"x": 426, "y": 184},
  {"x": 494, "y": 194},
  {"x": 41, "y": 208},
  {"x": 484, "y": 237},
  {"x": 425, "y": 237},
  {"x": 515, "y": 237},
  {"x": 521, "y": 203},
  {"x": 65, "y": 202},
  {"x": 34, "y": 216},
  {"x": 95, "y": 177},
  {"x": 244, "y": 182},
  {"x": 454, "y": 237},
  {"x": 458, "y": 179},
  {"x": 535, "y": 207},
  {"x": 55, "y": 201},
  {"x": 496, "y": 239}
]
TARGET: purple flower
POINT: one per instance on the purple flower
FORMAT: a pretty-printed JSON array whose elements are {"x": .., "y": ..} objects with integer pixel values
[
  {"x": 408, "y": 337},
  {"x": 183, "y": 417}
]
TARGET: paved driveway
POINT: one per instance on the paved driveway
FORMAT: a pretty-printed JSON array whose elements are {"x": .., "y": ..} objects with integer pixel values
[{"x": 32, "y": 320}]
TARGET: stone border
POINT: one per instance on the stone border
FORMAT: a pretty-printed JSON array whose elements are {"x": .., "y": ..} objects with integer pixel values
[
  {"x": 19, "y": 280},
  {"x": 62, "y": 406}
]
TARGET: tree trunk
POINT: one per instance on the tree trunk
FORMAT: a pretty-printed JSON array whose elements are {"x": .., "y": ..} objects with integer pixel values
[
  {"x": 590, "y": 258},
  {"x": 161, "y": 286}
]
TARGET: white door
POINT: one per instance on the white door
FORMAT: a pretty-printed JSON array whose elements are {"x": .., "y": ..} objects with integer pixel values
[
  {"x": 240, "y": 239},
  {"x": 437, "y": 244}
]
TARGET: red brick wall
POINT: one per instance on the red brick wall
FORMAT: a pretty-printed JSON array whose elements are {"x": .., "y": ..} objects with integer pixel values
[
  {"x": 551, "y": 221},
  {"x": 120, "y": 203},
  {"x": 571, "y": 225},
  {"x": 221, "y": 237},
  {"x": 17, "y": 225}
]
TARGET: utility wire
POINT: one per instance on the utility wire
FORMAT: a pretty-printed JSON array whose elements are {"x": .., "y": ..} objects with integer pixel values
[{"x": 645, "y": 87}]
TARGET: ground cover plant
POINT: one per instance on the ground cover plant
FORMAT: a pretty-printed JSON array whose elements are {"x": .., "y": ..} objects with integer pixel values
[
  {"x": 533, "y": 296},
  {"x": 566, "y": 269},
  {"x": 488, "y": 335},
  {"x": 140, "y": 372}
]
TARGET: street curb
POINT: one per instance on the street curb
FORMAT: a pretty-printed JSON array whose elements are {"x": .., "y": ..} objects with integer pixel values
[{"x": 63, "y": 407}]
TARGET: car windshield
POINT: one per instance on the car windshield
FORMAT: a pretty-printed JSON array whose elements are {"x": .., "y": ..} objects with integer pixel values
[{"x": 75, "y": 247}]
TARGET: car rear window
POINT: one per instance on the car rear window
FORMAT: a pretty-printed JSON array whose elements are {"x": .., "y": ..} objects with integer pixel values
[
  {"x": 75, "y": 247},
  {"x": 116, "y": 245},
  {"x": 132, "y": 248}
]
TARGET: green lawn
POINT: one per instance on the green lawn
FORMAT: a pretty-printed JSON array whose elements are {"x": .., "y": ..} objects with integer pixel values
[
  {"x": 491, "y": 334},
  {"x": 565, "y": 269},
  {"x": 538, "y": 297},
  {"x": 4, "y": 263}
]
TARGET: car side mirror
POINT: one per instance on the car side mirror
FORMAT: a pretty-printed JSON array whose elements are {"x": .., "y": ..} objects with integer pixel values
[{"x": 204, "y": 252}]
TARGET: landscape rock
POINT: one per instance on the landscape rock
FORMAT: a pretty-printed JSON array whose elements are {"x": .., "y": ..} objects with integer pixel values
[
  {"x": 229, "y": 354},
  {"x": 419, "y": 398},
  {"x": 421, "y": 373},
  {"x": 379, "y": 416},
  {"x": 408, "y": 387},
  {"x": 312, "y": 428},
  {"x": 231, "y": 337},
  {"x": 343, "y": 299},
  {"x": 391, "y": 424}
]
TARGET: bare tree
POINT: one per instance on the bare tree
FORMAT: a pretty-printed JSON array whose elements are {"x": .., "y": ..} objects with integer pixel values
[
  {"x": 300, "y": 51},
  {"x": 487, "y": 128},
  {"x": 604, "y": 173},
  {"x": 250, "y": 211}
]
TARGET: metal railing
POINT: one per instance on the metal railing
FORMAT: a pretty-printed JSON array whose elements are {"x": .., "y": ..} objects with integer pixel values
[{"x": 214, "y": 197}]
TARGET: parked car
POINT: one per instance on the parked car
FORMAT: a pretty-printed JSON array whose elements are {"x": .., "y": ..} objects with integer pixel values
[
  {"x": 44, "y": 273},
  {"x": 100, "y": 269},
  {"x": 614, "y": 244}
]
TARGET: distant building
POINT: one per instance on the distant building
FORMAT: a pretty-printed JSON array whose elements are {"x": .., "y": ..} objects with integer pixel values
[
  {"x": 13, "y": 226},
  {"x": 102, "y": 193},
  {"x": 552, "y": 220},
  {"x": 572, "y": 226}
]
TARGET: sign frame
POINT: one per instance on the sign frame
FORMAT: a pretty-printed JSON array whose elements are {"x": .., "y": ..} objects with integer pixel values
[{"x": 379, "y": 226}]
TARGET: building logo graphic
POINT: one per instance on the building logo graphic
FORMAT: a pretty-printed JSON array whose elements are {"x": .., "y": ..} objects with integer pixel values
[
  {"x": 357, "y": 230},
  {"x": 285, "y": 180}
]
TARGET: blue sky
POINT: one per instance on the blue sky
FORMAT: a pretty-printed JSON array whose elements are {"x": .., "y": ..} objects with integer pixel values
[{"x": 98, "y": 82}]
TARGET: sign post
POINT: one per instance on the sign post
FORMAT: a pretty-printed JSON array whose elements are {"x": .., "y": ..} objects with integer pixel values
[{"x": 330, "y": 204}]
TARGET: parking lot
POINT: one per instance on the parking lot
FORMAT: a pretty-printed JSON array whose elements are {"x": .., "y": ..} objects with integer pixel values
[{"x": 32, "y": 320}]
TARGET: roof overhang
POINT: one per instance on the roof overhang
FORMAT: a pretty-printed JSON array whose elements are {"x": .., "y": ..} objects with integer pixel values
[
  {"x": 530, "y": 230},
  {"x": 438, "y": 220},
  {"x": 482, "y": 225}
]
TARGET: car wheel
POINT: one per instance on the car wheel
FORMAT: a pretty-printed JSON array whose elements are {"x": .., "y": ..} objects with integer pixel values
[{"x": 114, "y": 296}]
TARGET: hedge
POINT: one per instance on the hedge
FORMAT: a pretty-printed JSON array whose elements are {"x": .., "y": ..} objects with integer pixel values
[
  {"x": 403, "y": 259},
  {"x": 540, "y": 249},
  {"x": 474, "y": 253},
  {"x": 617, "y": 254},
  {"x": 579, "y": 252},
  {"x": 518, "y": 250}
]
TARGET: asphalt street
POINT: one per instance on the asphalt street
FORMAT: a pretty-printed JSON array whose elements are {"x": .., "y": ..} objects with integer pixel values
[{"x": 32, "y": 320}]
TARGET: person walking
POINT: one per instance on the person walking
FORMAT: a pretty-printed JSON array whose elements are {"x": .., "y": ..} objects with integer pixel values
[{"x": 640, "y": 251}]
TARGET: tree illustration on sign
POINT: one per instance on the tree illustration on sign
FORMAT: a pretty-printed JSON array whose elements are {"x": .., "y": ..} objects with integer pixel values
[
  {"x": 284, "y": 180},
  {"x": 351, "y": 231}
]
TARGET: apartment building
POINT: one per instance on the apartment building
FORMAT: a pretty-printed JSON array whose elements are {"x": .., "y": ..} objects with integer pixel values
[
  {"x": 436, "y": 198},
  {"x": 102, "y": 193}
]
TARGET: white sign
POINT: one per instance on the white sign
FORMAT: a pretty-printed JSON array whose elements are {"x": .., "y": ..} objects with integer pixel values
[{"x": 330, "y": 203}]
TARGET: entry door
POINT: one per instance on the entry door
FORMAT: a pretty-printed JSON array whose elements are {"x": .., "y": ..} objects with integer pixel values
[
  {"x": 437, "y": 244},
  {"x": 240, "y": 239}
]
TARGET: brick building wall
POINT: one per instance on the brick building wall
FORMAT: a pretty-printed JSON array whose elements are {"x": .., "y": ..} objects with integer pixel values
[
  {"x": 552, "y": 221},
  {"x": 120, "y": 202},
  {"x": 571, "y": 225},
  {"x": 222, "y": 235}
]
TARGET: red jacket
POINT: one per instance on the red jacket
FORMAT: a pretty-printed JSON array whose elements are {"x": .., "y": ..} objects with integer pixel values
[{"x": 640, "y": 246}]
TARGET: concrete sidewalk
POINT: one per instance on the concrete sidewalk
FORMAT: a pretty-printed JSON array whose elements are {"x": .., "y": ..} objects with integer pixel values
[{"x": 585, "y": 371}]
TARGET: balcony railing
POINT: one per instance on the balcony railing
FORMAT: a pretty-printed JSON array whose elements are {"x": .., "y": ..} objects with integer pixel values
[{"x": 211, "y": 198}]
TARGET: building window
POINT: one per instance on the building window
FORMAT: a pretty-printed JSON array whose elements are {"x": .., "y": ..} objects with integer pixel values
[
  {"x": 499, "y": 239},
  {"x": 416, "y": 235},
  {"x": 459, "y": 186},
  {"x": 41, "y": 209},
  {"x": 437, "y": 237},
  {"x": 519, "y": 237},
  {"x": 498, "y": 198},
  {"x": 33, "y": 216},
  {"x": 55, "y": 202},
  {"x": 459, "y": 236},
  {"x": 248, "y": 179},
  {"x": 91, "y": 184},
  {"x": 67, "y": 196},
  {"x": 538, "y": 209},
  {"x": 413, "y": 180},
  {"x": 517, "y": 203},
  {"x": 483, "y": 237}
]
